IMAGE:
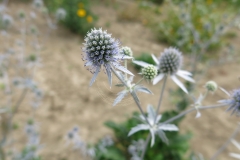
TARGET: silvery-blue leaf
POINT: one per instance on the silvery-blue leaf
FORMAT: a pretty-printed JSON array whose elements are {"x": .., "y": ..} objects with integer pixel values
[
  {"x": 226, "y": 101},
  {"x": 135, "y": 96},
  {"x": 120, "y": 96},
  {"x": 123, "y": 69},
  {"x": 140, "y": 88},
  {"x": 162, "y": 136},
  {"x": 179, "y": 83},
  {"x": 158, "y": 78},
  {"x": 141, "y": 63},
  {"x": 138, "y": 128},
  {"x": 155, "y": 59},
  {"x": 109, "y": 74},
  {"x": 198, "y": 115},
  {"x": 151, "y": 112},
  {"x": 186, "y": 77},
  {"x": 168, "y": 127},
  {"x": 158, "y": 118},
  {"x": 94, "y": 76},
  {"x": 226, "y": 92},
  {"x": 119, "y": 85},
  {"x": 185, "y": 72},
  {"x": 121, "y": 75},
  {"x": 130, "y": 78},
  {"x": 236, "y": 144},
  {"x": 123, "y": 57},
  {"x": 234, "y": 155},
  {"x": 153, "y": 137}
]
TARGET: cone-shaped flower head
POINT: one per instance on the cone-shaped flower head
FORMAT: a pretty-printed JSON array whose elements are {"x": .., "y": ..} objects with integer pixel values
[
  {"x": 169, "y": 64},
  {"x": 170, "y": 61},
  {"x": 235, "y": 101},
  {"x": 211, "y": 86},
  {"x": 149, "y": 72},
  {"x": 102, "y": 50},
  {"x": 127, "y": 51}
]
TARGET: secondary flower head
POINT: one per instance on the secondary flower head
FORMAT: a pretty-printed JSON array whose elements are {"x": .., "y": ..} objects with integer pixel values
[
  {"x": 127, "y": 51},
  {"x": 170, "y": 61},
  {"x": 149, "y": 72},
  {"x": 234, "y": 101},
  {"x": 89, "y": 19},
  {"x": 211, "y": 86},
  {"x": 169, "y": 64},
  {"x": 102, "y": 50}
]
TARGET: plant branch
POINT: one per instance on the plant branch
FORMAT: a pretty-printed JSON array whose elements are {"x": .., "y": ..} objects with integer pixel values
[
  {"x": 161, "y": 96},
  {"x": 221, "y": 149},
  {"x": 191, "y": 110},
  {"x": 145, "y": 146}
]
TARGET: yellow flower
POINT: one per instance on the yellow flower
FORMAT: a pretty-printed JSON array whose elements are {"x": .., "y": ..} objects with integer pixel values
[
  {"x": 80, "y": 5},
  {"x": 209, "y": 2},
  {"x": 81, "y": 13},
  {"x": 89, "y": 19}
]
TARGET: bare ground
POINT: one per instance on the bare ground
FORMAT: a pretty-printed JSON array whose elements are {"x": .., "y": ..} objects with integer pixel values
[{"x": 69, "y": 101}]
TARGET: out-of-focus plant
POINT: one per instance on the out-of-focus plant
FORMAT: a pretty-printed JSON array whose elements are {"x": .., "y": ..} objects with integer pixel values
[
  {"x": 193, "y": 24},
  {"x": 79, "y": 17}
]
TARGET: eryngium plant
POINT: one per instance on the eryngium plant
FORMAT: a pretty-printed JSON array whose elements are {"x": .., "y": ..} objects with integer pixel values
[{"x": 101, "y": 50}]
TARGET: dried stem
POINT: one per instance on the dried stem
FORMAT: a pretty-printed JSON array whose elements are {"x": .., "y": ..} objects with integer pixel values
[{"x": 221, "y": 149}]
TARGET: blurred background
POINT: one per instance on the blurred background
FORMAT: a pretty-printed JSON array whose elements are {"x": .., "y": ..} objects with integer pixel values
[{"x": 41, "y": 51}]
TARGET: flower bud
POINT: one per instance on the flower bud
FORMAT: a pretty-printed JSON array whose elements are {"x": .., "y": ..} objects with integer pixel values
[{"x": 149, "y": 72}]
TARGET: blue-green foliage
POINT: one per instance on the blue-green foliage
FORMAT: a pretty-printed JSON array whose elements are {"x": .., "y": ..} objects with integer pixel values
[{"x": 176, "y": 150}]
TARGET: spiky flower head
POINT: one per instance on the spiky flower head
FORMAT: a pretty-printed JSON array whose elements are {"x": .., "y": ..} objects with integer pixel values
[
  {"x": 211, "y": 86},
  {"x": 149, "y": 72},
  {"x": 170, "y": 61},
  {"x": 127, "y": 51},
  {"x": 60, "y": 14},
  {"x": 235, "y": 101},
  {"x": 100, "y": 49}
]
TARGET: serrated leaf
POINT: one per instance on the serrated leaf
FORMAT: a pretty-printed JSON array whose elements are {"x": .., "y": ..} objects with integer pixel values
[{"x": 120, "y": 96}]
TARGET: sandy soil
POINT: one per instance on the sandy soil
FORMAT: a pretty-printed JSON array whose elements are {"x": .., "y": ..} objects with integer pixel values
[{"x": 69, "y": 101}]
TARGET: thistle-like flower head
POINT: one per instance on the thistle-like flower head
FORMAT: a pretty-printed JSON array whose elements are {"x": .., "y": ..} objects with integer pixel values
[
  {"x": 149, "y": 72},
  {"x": 170, "y": 61},
  {"x": 233, "y": 102},
  {"x": 169, "y": 64},
  {"x": 127, "y": 51},
  {"x": 102, "y": 50}
]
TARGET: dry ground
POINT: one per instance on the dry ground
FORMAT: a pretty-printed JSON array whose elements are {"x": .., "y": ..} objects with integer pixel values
[{"x": 69, "y": 101}]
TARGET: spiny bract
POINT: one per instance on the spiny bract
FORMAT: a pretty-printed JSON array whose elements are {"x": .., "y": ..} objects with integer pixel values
[{"x": 170, "y": 61}]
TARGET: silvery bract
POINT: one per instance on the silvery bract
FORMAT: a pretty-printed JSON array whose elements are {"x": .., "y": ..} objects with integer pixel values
[
  {"x": 154, "y": 126},
  {"x": 233, "y": 102},
  {"x": 169, "y": 63},
  {"x": 234, "y": 155},
  {"x": 101, "y": 50},
  {"x": 130, "y": 88}
]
